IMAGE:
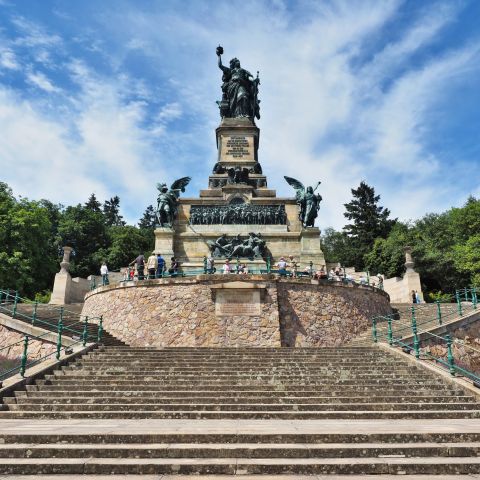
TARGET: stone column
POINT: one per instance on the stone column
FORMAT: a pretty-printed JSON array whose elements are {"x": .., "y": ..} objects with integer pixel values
[
  {"x": 65, "y": 263},
  {"x": 63, "y": 281},
  {"x": 411, "y": 279}
]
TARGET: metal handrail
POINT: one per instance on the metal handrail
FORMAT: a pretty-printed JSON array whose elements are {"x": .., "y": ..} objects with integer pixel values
[{"x": 465, "y": 298}]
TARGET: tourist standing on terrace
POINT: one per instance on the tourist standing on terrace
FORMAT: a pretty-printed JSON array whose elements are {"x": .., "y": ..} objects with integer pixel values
[
  {"x": 104, "y": 274},
  {"x": 227, "y": 268},
  {"x": 140, "y": 263},
  {"x": 152, "y": 264},
  {"x": 160, "y": 265}
]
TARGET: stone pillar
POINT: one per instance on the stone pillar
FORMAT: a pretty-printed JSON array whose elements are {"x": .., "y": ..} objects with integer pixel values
[
  {"x": 164, "y": 242},
  {"x": 411, "y": 279},
  {"x": 409, "y": 263},
  {"x": 310, "y": 249},
  {"x": 63, "y": 281}
]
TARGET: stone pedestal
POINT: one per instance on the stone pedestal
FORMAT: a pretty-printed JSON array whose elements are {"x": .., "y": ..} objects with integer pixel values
[
  {"x": 237, "y": 142},
  {"x": 164, "y": 242},
  {"x": 63, "y": 280},
  {"x": 310, "y": 250}
]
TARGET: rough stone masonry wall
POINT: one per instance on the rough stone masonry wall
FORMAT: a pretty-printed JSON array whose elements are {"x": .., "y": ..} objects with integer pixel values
[
  {"x": 326, "y": 315},
  {"x": 36, "y": 349},
  {"x": 181, "y": 312},
  {"x": 178, "y": 312}
]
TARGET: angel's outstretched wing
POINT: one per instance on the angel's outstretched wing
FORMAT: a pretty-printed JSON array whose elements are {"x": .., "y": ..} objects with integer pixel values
[
  {"x": 294, "y": 183},
  {"x": 180, "y": 184}
]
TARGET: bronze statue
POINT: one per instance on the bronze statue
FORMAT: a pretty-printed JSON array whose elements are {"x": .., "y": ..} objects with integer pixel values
[
  {"x": 252, "y": 247},
  {"x": 308, "y": 201},
  {"x": 167, "y": 201},
  {"x": 239, "y": 90}
]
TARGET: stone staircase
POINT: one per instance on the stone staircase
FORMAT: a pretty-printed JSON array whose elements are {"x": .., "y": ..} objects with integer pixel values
[
  {"x": 47, "y": 318},
  {"x": 346, "y": 410}
]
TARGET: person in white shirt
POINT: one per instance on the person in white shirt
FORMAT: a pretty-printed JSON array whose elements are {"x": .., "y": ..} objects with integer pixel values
[
  {"x": 282, "y": 266},
  {"x": 104, "y": 274},
  {"x": 152, "y": 264},
  {"x": 227, "y": 268}
]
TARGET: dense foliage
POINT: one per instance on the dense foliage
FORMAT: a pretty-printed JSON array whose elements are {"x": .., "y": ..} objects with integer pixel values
[
  {"x": 445, "y": 247},
  {"x": 33, "y": 232}
]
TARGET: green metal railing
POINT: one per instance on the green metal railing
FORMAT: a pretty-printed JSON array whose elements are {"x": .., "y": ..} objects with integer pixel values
[
  {"x": 416, "y": 337},
  {"x": 13, "y": 305},
  {"x": 268, "y": 269}
]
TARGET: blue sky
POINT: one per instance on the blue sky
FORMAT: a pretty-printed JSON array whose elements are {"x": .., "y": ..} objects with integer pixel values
[{"x": 113, "y": 96}]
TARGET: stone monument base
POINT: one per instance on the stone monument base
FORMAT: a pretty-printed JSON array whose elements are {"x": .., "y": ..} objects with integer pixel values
[
  {"x": 164, "y": 241},
  {"x": 235, "y": 311}
]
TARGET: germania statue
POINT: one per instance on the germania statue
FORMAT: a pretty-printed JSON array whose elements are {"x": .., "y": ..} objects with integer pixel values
[
  {"x": 308, "y": 201},
  {"x": 239, "y": 91},
  {"x": 167, "y": 201}
]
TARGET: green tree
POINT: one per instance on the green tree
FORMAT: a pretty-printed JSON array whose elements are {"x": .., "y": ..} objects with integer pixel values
[
  {"x": 387, "y": 254},
  {"x": 337, "y": 247},
  {"x": 27, "y": 254},
  {"x": 93, "y": 204},
  {"x": 149, "y": 218},
  {"x": 111, "y": 210},
  {"x": 126, "y": 243},
  {"x": 369, "y": 221},
  {"x": 84, "y": 230},
  {"x": 467, "y": 258}
]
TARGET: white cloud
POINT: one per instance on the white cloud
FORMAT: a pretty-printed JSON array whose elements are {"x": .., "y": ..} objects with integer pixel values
[
  {"x": 8, "y": 60},
  {"x": 324, "y": 115},
  {"x": 41, "y": 81}
]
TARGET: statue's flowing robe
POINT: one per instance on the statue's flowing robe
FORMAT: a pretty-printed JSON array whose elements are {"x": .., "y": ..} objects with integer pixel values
[{"x": 239, "y": 93}]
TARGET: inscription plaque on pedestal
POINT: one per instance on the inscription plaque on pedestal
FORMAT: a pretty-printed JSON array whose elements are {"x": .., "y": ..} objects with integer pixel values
[
  {"x": 235, "y": 302},
  {"x": 237, "y": 147}
]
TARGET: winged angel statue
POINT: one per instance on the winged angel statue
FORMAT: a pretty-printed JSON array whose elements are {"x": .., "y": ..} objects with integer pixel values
[
  {"x": 308, "y": 201},
  {"x": 167, "y": 201}
]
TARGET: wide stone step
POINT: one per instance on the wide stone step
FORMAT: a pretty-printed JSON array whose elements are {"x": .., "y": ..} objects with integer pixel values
[
  {"x": 143, "y": 366},
  {"x": 185, "y": 396},
  {"x": 240, "y": 450},
  {"x": 260, "y": 415},
  {"x": 400, "y": 389},
  {"x": 244, "y": 477},
  {"x": 215, "y": 377},
  {"x": 97, "y": 398},
  {"x": 224, "y": 435},
  {"x": 240, "y": 407},
  {"x": 219, "y": 385},
  {"x": 230, "y": 466}
]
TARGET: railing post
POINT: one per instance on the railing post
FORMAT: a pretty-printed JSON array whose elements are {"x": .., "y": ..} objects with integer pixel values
[
  {"x": 439, "y": 312},
  {"x": 269, "y": 265},
  {"x": 205, "y": 265},
  {"x": 100, "y": 329},
  {"x": 466, "y": 294},
  {"x": 416, "y": 343},
  {"x": 311, "y": 268},
  {"x": 23, "y": 365},
  {"x": 374, "y": 329},
  {"x": 451, "y": 360},
  {"x": 389, "y": 331},
  {"x": 34, "y": 315},
  {"x": 59, "y": 333},
  {"x": 459, "y": 303},
  {"x": 85, "y": 331},
  {"x": 474, "y": 298},
  {"x": 1, "y": 296},
  {"x": 15, "y": 302}
]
